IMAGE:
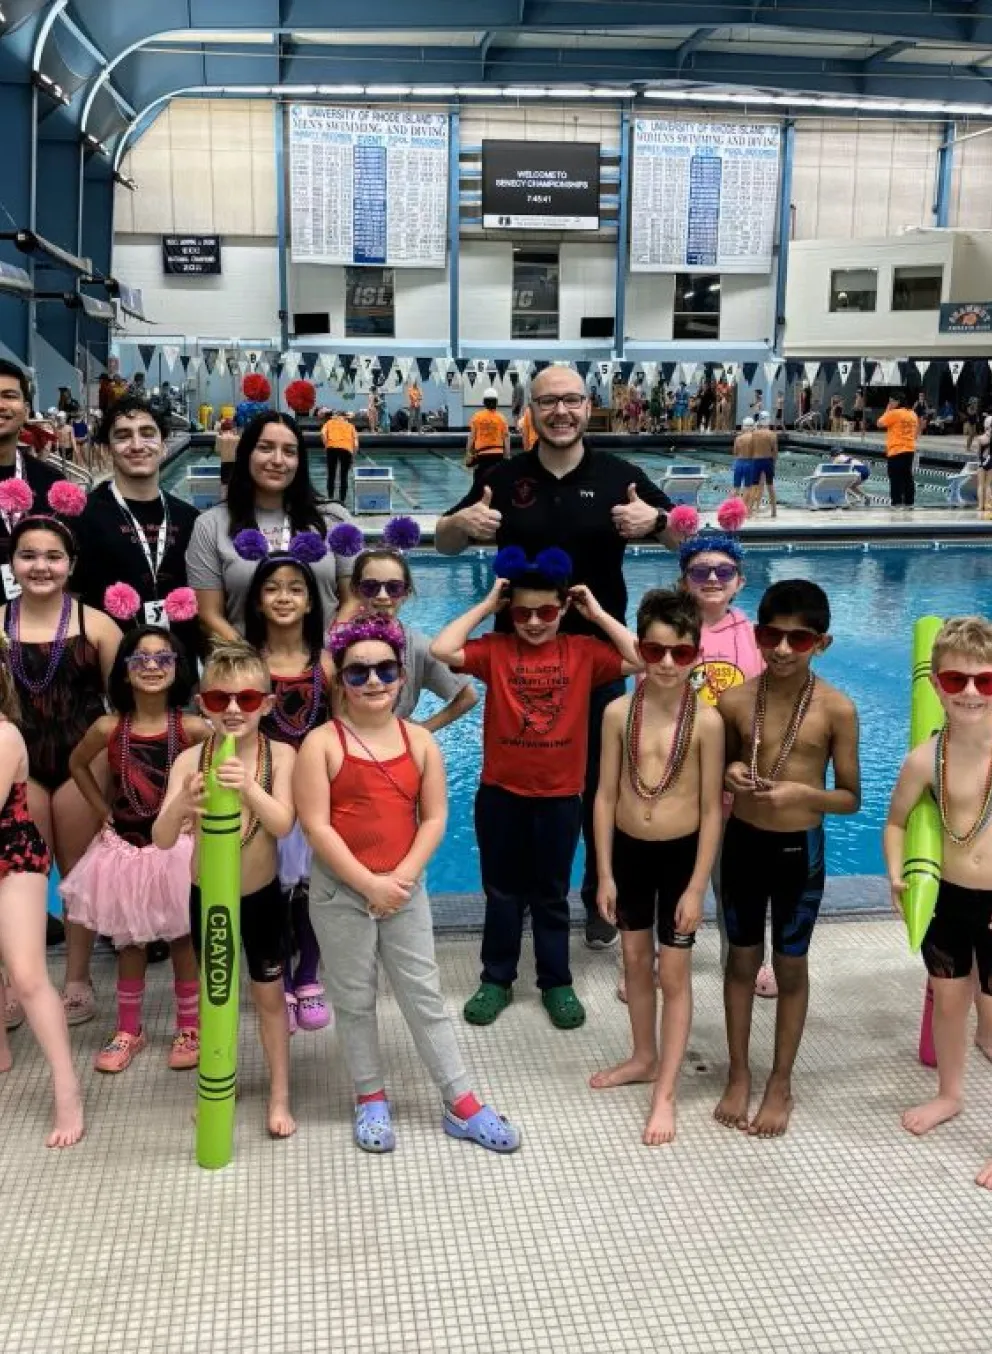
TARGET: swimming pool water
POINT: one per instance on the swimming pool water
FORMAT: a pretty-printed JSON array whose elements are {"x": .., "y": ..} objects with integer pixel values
[{"x": 875, "y": 595}]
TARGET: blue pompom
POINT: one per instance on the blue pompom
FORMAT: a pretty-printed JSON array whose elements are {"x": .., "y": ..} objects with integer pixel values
[
  {"x": 510, "y": 562},
  {"x": 554, "y": 563}
]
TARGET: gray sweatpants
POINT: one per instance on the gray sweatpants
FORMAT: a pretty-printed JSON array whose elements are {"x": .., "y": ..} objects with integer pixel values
[{"x": 352, "y": 944}]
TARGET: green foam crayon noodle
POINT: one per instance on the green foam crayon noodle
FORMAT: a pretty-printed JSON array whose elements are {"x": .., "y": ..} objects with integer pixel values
[
  {"x": 923, "y": 850},
  {"x": 220, "y": 898}
]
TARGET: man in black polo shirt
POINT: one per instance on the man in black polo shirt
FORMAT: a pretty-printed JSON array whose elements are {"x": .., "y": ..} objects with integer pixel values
[
  {"x": 131, "y": 531},
  {"x": 17, "y": 460},
  {"x": 588, "y": 504}
]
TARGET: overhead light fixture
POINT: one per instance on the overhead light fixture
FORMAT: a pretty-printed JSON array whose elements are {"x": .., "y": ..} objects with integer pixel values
[
  {"x": 294, "y": 89},
  {"x": 387, "y": 91},
  {"x": 340, "y": 89},
  {"x": 478, "y": 92},
  {"x": 435, "y": 91},
  {"x": 247, "y": 89},
  {"x": 524, "y": 92}
]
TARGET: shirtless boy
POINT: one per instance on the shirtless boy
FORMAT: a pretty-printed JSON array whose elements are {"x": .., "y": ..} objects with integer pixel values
[
  {"x": 956, "y": 766},
  {"x": 235, "y": 695},
  {"x": 658, "y": 819},
  {"x": 783, "y": 730}
]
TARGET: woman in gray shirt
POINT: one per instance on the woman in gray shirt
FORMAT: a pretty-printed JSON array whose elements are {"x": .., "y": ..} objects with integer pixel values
[{"x": 270, "y": 492}]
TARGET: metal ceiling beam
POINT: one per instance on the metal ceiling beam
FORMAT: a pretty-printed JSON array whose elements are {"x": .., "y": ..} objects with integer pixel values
[
  {"x": 691, "y": 44},
  {"x": 884, "y": 54}
]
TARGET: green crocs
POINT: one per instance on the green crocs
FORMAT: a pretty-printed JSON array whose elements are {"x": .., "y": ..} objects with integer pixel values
[
  {"x": 488, "y": 1003},
  {"x": 564, "y": 1008}
]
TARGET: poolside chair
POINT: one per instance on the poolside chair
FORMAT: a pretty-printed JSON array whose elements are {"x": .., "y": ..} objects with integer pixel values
[
  {"x": 828, "y": 486},
  {"x": 682, "y": 484},
  {"x": 962, "y": 488}
]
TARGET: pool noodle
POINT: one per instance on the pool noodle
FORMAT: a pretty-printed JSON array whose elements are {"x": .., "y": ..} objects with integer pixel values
[
  {"x": 923, "y": 850},
  {"x": 220, "y": 921}
]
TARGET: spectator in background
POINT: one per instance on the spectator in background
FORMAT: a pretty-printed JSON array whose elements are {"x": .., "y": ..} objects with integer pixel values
[
  {"x": 680, "y": 408},
  {"x": 780, "y": 411},
  {"x": 858, "y": 412},
  {"x": 970, "y": 423},
  {"x": 724, "y": 413},
  {"x": 226, "y": 444},
  {"x": 922, "y": 411},
  {"x": 706, "y": 406},
  {"x": 488, "y": 437},
  {"x": 415, "y": 404},
  {"x": 340, "y": 439},
  {"x": 902, "y": 428},
  {"x": 836, "y": 414}
]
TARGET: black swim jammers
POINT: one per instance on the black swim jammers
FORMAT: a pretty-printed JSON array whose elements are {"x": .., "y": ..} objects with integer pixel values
[{"x": 784, "y": 869}]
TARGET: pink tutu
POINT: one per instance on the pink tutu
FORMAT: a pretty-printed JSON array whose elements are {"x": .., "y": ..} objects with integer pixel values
[{"x": 133, "y": 894}]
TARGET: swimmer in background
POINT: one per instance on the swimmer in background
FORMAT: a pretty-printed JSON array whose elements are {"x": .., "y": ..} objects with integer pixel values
[{"x": 855, "y": 494}]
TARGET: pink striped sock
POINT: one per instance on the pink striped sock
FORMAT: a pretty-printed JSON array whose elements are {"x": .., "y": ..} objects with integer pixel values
[
  {"x": 130, "y": 995},
  {"x": 187, "y": 1005}
]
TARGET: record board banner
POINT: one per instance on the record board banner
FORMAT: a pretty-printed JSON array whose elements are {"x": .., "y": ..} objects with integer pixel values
[
  {"x": 540, "y": 185},
  {"x": 368, "y": 186},
  {"x": 191, "y": 255},
  {"x": 704, "y": 196},
  {"x": 966, "y": 317}
]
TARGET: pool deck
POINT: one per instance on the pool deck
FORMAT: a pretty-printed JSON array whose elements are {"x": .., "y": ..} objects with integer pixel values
[{"x": 844, "y": 1237}]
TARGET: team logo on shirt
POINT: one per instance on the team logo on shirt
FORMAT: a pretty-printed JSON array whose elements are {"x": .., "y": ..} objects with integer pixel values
[
  {"x": 524, "y": 493},
  {"x": 712, "y": 678}
]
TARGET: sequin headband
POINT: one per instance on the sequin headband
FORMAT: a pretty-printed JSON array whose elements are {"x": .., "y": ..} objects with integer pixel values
[
  {"x": 364, "y": 628},
  {"x": 731, "y": 516},
  {"x": 123, "y": 603},
  {"x": 345, "y": 540},
  {"x": 512, "y": 563}
]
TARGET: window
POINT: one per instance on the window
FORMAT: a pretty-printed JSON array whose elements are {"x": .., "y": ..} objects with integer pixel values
[
  {"x": 853, "y": 289},
  {"x": 368, "y": 303},
  {"x": 697, "y": 306},
  {"x": 917, "y": 288},
  {"x": 535, "y": 294}
]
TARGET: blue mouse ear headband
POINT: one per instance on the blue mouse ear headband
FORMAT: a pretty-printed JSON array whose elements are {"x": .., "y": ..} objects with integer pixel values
[{"x": 512, "y": 564}]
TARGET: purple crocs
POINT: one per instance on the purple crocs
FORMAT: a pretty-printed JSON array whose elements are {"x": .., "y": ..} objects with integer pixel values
[{"x": 490, "y": 1130}]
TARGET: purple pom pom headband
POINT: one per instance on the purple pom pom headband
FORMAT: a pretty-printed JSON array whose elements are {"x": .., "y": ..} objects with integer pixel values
[{"x": 306, "y": 547}]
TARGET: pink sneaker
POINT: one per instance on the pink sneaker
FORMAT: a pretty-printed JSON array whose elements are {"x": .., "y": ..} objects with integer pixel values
[
  {"x": 312, "y": 1011},
  {"x": 291, "y": 1012},
  {"x": 119, "y": 1052},
  {"x": 185, "y": 1050}
]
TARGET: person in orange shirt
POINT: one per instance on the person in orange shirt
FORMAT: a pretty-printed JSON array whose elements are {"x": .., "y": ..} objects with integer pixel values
[
  {"x": 340, "y": 440},
  {"x": 415, "y": 403},
  {"x": 902, "y": 428},
  {"x": 488, "y": 438},
  {"x": 526, "y": 429}
]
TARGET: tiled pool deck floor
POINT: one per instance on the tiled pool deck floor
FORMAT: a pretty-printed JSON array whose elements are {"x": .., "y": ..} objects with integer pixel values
[{"x": 847, "y": 1236}]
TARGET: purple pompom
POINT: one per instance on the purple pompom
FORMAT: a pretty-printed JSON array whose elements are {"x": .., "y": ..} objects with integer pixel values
[
  {"x": 346, "y": 540},
  {"x": 251, "y": 544},
  {"x": 307, "y": 547},
  {"x": 402, "y": 534}
]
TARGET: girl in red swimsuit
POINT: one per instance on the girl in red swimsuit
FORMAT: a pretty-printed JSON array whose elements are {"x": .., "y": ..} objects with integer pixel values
[
  {"x": 124, "y": 887},
  {"x": 24, "y": 866},
  {"x": 61, "y": 653}
]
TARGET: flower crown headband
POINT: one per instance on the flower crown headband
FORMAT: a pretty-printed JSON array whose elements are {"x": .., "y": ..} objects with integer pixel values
[
  {"x": 512, "y": 564},
  {"x": 362, "y": 628},
  {"x": 731, "y": 516},
  {"x": 346, "y": 540},
  {"x": 123, "y": 603}
]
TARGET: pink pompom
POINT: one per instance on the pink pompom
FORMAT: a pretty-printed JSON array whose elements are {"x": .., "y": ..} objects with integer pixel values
[
  {"x": 68, "y": 500},
  {"x": 16, "y": 496},
  {"x": 121, "y": 601},
  {"x": 732, "y": 514},
  {"x": 684, "y": 520},
  {"x": 180, "y": 605}
]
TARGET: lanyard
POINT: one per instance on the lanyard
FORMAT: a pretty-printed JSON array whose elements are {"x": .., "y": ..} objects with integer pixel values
[
  {"x": 163, "y": 532},
  {"x": 9, "y": 519}
]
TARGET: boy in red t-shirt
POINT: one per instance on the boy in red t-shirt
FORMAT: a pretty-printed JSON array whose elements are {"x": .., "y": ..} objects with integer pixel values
[{"x": 528, "y": 810}]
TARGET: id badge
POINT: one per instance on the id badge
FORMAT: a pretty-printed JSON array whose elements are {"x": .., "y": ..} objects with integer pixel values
[
  {"x": 11, "y": 588},
  {"x": 155, "y": 615}
]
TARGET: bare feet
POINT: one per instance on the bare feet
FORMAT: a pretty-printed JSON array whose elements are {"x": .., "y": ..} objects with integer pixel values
[
  {"x": 628, "y": 1073},
  {"x": 733, "y": 1107},
  {"x": 922, "y": 1118},
  {"x": 281, "y": 1123},
  {"x": 660, "y": 1127},
  {"x": 984, "y": 1176},
  {"x": 68, "y": 1128},
  {"x": 772, "y": 1118}
]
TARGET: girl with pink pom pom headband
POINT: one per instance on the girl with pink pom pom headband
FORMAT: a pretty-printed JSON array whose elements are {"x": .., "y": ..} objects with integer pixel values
[
  {"x": 731, "y": 516},
  {"x": 123, "y": 603}
]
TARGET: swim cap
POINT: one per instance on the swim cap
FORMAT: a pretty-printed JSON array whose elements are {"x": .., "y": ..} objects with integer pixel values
[
  {"x": 748, "y": 423},
  {"x": 764, "y": 416},
  {"x": 490, "y": 394}
]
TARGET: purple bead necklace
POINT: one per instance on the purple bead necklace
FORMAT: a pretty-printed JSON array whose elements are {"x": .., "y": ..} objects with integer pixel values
[
  {"x": 292, "y": 730},
  {"x": 36, "y": 688}
]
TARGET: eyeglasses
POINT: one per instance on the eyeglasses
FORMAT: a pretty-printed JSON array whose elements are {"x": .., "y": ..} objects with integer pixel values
[
  {"x": 953, "y": 683},
  {"x": 702, "y": 573},
  {"x": 161, "y": 661},
  {"x": 520, "y": 615},
  {"x": 358, "y": 674},
  {"x": 247, "y": 701},
  {"x": 547, "y": 403},
  {"x": 682, "y": 654},
  {"x": 394, "y": 588},
  {"x": 799, "y": 641}
]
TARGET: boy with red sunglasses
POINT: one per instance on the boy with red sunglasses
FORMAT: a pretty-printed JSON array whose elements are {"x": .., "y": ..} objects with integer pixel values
[
  {"x": 956, "y": 767},
  {"x": 528, "y": 810},
  {"x": 658, "y": 819},
  {"x": 784, "y": 729},
  {"x": 235, "y": 695}
]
